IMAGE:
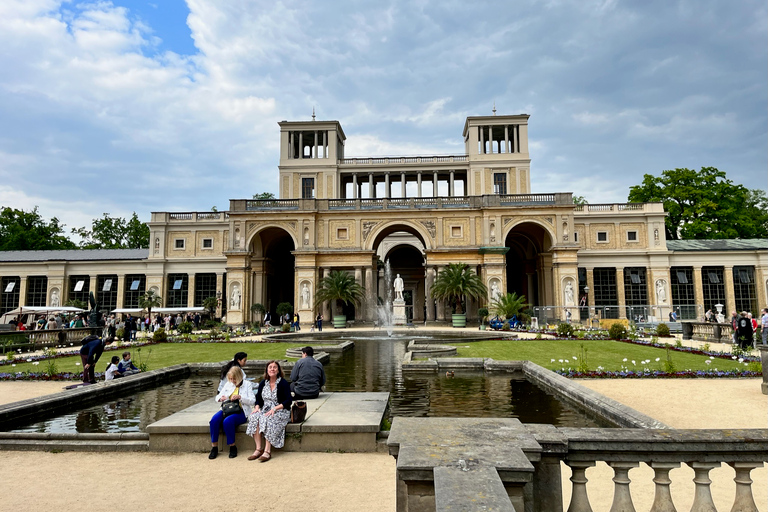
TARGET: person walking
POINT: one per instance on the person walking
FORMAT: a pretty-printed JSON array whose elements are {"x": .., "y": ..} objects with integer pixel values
[
  {"x": 319, "y": 322},
  {"x": 764, "y": 326}
]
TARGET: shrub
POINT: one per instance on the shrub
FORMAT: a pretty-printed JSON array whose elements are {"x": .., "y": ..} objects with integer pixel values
[
  {"x": 210, "y": 324},
  {"x": 160, "y": 335},
  {"x": 120, "y": 333},
  {"x": 286, "y": 328},
  {"x": 662, "y": 330},
  {"x": 564, "y": 330},
  {"x": 482, "y": 313},
  {"x": 185, "y": 327},
  {"x": 617, "y": 331}
]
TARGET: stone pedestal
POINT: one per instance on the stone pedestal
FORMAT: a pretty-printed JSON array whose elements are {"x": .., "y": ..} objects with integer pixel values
[{"x": 398, "y": 312}]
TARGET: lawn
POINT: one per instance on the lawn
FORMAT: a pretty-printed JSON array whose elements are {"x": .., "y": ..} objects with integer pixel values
[
  {"x": 168, "y": 354},
  {"x": 606, "y": 353}
]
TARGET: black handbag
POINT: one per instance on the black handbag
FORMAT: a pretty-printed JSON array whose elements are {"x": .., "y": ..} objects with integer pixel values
[
  {"x": 298, "y": 412},
  {"x": 230, "y": 407}
]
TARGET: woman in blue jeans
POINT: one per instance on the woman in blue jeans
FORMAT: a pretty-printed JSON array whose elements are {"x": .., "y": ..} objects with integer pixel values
[{"x": 236, "y": 388}]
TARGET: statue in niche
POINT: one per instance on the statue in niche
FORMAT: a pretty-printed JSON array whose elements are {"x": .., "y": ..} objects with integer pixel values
[
  {"x": 565, "y": 231},
  {"x": 305, "y": 296},
  {"x": 55, "y": 298},
  {"x": 568, "y": 292},
  {"x": 495, "y": 292},
  {"x": 493, "y": 231},
  {"x": 661, "y": 291},
  {"x": 398, "y": 285},
  {"x": 234, "y": 302}
]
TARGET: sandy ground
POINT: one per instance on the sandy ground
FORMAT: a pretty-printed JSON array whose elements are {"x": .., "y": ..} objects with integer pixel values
[{"x": 346, "y": 482}]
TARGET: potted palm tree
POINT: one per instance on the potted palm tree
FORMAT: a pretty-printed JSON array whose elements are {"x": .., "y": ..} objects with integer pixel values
[
  {"x": 509, "y": 305},
  {"x": 339, "y": 287},
  {"x": 483, "y": 314},
  {"x": 150, "y": 300},
  {"x": 457, "y": 282}
]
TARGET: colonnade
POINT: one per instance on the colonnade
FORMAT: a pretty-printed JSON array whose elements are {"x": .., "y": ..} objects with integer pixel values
[{"x": 358, "y": 179}]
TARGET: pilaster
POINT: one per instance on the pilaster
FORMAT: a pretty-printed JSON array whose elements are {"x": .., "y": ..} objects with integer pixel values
[{"x": 620, "y": 293}]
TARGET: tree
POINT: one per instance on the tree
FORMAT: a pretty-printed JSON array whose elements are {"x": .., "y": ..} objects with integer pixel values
[
  {"x": 150, "y": 300},
  {"x": 456, "y": 282},
  {"x": 579, "y": 200},
  {"x": 114, "y": 233},
  {"x": 264, "y": 195},
  {"x": 705, "y": 204},
  {"x": 211, "y": 304},
  {"x": 258, "y": 309},
  {"x": 28, "y": 231},
  {"x": 509, "y": 305},
  {"x": 341, "y": 287}
]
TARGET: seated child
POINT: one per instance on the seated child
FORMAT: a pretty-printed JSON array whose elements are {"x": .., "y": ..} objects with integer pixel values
[
  {"x": 126, "y": 366},
  {"x": 112, "y": 370}
]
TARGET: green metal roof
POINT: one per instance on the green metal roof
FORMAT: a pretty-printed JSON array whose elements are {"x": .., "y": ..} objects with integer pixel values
[{"x": 749, "y": 244}]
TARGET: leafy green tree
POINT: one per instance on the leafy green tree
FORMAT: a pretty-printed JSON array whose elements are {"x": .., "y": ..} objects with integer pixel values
[
  {"x": 509, "y": 305},
  {"x": 28, "y": 231},
  {"x": 340, "y": 287},
  {"x": 114, "y": 233},
  {"x": 705, "y": 204},
  {"x": 579, "y": 200},
  {"x": 264, "y": 195},
  {"x": 456, "y": 282},
  {"x": 210, "y": 305}
]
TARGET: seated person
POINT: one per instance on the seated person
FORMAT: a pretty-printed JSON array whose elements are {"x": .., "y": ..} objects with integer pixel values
[
  {"x": 112, "y": 371},
  {"x": 236, "y": 389},
  {"x": 126, "y": 366},
  {"x": 308, "y": 376},
  {"x": 271, "y": 414}
]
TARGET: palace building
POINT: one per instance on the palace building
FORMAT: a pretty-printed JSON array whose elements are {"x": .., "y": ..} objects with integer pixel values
[{"x": 416, "y": 213}]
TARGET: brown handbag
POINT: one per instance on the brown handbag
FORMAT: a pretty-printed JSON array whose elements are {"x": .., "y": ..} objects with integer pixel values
[{"x": 298, "y": 412}]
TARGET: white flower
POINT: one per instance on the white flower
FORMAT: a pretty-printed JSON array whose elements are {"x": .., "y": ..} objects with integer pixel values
[
  {"x": 711, "y": 357},
  {"x": 708, "y": 361},
  {"x": 29, "y": 360},
  {"x": 625, "y": 359},
  {"x": 15, "y": 364},
  {"x": 733, "y": 357},
  {"x": 658, "y": 359},
  {"x": 633, "y": 362},
  {"x": 575, "y": 358},
  {"x": 551, "y": 360},
  {"x": 36, "y": 362},
  {"x": 560, "y": 360},
  {"x": 741, "y": 359},
  {"x": 77, "y": 364},
  {"x": 567, "y": 361}
]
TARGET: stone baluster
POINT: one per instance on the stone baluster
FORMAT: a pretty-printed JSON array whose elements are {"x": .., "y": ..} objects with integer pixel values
[
  {"x": 744, "y": 501},
  {"x": 662, "y": 502},
  {"x": 622, "y": 498},
  {"x": 579, "y": 498},
  {"x": 702, "y": 501}
]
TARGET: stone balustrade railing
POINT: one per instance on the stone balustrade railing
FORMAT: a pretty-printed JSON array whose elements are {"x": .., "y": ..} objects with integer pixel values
[
  {"x": 520, "y": 465},
  {"x": 708, "y": 331},
  {"x": 52, "y": 337}
]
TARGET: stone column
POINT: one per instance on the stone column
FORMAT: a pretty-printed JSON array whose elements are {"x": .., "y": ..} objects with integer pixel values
[
  {"x": 506, "y": 138},
  {"x": 354, "y": 186},
  {"x": 698, "y": 289},
  {"x": 301, "y": 144},
  {"x": 360, "y": 311},
  {"x": 327, "y": 313},
  {"x": 434, "y": 184},
  {"x": 451, "y": 190},
  {"x": 402, "y": 184},
  {"x": 191, "y": 293},
  {"x": 620, "y": 292},
  {"x": 220, "y": 287},
  {"x": 314, "y": 148},
  {"x": 490, "y": 139},
  {"x": 440, "y": 304},
  {"x": 371, "y": 187},
  {"x": 370, "y": 294},
  {"x": 730, "y": 296},
  {"x": 120, "y": 287},
  {"x": 418, "y": 184},
  {"x": 23, "y": 291},
  {"x": 591, "y": 294},
  {"x": 418, "y": 302},
  {"x": 428, "y": 282},
  {"x": 387, "y": 191},
  {"x": 482, "y": 139}
]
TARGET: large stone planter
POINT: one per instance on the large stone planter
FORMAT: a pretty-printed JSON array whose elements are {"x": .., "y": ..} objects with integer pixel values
[
  {"x": 459, "y": 320},
  {"x": 339, "y": 321},
  {"x": 764, "y": 361}
]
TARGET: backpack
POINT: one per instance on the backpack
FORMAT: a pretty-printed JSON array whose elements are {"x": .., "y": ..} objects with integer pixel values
[{"x": 88, "y": 339}]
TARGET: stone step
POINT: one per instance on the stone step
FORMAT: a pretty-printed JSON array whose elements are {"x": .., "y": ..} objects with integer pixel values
[{"x": 74, "y": 445}]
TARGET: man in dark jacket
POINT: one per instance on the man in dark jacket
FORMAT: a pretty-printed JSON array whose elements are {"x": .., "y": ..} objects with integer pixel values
[
  {"x": 744, "y": 330},
  {"x": 89, "y": 355},
  {"x": 307, "y": 376}
]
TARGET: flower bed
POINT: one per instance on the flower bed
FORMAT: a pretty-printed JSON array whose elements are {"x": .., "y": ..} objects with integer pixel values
[{"x": 631, "y": 374}]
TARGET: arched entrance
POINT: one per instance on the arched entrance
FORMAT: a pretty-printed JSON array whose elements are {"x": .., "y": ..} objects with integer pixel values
[
  {"x": 273, "y": 265},
  {"x": 528, "y": 267}
]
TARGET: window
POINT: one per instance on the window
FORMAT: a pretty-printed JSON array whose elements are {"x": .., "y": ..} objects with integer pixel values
[
  {"x": 605, "y": 291},
  {"x": 178, "y": 290},
  {"x": 179, "y": 243},
  {"x": 575, "y": 236},
  {"x": 9, "y": 299},
  {"x": 683, "y": 297},
  {"x": 456, "y": 231},
  {"x": 207, "y": 243},
  {"x": 631, "y": 236},
  {"x": 744, "y": 289},
  {"x": 635, "y": 292},
  {"x": 602, "y": 236},
  {"x": 205, "y": 286},
  {"x": 307, "y": 188},
  {"x": 713, "y": 287},
  {"x": 37, "y": 291},
  {"x": 78, "y": 288},
  {"x": 134, "y": 289},
  {"x": 499, "y": 183},
  {"x": 106, "y": 294},
  {"x": 342, "y": 234}
]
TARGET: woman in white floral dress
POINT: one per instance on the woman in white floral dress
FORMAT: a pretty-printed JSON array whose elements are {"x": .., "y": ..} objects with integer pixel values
[{"x": 272, "y": 413}]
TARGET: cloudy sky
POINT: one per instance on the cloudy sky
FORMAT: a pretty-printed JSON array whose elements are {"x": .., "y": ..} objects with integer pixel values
[{"x": 169, "y": 105}]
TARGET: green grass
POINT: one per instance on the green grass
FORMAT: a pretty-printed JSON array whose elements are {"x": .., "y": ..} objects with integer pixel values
[
  {"x": 606, "y": 353},
  {"x": 168, "y": 354}
]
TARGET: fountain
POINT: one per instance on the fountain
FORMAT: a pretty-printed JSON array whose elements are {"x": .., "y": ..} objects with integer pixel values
[{"x": 384, "y": 311}]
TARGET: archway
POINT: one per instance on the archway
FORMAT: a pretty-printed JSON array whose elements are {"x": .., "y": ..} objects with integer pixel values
[
  {"x": 273, "y": 265},
  {"x": 526, "y": 269}
]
